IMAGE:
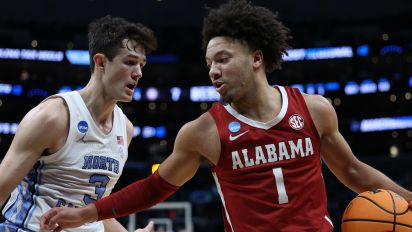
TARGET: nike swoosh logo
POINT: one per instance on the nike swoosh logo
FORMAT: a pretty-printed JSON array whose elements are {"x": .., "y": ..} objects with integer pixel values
[{"x": 231, "y": 138}]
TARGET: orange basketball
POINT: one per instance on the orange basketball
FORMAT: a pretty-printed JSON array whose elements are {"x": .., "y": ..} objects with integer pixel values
[{"x": 377, "y": 211}]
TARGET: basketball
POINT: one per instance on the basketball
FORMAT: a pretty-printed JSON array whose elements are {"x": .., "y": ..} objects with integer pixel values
[{"x": 377, "y": 211}]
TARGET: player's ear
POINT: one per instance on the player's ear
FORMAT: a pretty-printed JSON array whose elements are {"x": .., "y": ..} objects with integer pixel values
[
  {"x": 99, "y": 60},
  {"x": 257, "y": 59}
]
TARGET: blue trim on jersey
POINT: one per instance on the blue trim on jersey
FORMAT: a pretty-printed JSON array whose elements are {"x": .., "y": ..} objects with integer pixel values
[
  {"x": 8, "y": 226},
  {"x": 14, "y": 214},
  {"x": 10, "y": 206},
  {"x": 26, "y": 197},
  {"x": 12, "y": 210},
  {"x": 36, "y": 192},
  {"x": 19, "y": 211}
]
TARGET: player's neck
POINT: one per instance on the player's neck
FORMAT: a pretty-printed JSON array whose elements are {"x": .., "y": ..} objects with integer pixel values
[
  {"x": 101, "y": 109},
  {"x": 262, "y": 104}
]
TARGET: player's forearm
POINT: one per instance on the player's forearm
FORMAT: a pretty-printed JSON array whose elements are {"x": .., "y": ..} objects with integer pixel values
[
  {"x": 136, "y": 197},
  {"x": 88, "y": 213},
  {"x": 368, "y": 178},
  {"x": 112, "y": 225},
  {"x": 386, "y": 183}
]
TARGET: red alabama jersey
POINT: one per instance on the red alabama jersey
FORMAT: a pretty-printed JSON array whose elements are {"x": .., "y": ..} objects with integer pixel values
[{"x": 269, "y": 174}]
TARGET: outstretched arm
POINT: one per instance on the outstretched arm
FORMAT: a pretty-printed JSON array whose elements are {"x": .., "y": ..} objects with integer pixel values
[
  {"x": 338, "y": 156},
  {"x": 178, "y": 168},
  {"x": 112, "y": 225}
]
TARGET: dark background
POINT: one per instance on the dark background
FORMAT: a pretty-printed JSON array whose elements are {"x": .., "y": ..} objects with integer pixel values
[{"x": 61, "y": 25}]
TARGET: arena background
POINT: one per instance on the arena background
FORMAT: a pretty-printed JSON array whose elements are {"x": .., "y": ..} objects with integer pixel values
[{"x": 362, "y": 63}]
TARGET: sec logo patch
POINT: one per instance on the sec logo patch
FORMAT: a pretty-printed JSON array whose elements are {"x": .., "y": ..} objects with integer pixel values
[{"x": 296, "y": 122}]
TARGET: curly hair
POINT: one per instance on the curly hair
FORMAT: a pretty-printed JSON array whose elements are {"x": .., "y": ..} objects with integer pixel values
[
  {"x": 106, "y": 35},
  {"x": 255, "y": 25}
]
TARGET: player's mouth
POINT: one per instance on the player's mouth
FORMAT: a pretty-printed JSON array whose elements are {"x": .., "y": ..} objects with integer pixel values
[
  {"x": 130, "y": 88},
  {"x": 218, "y": 85}
]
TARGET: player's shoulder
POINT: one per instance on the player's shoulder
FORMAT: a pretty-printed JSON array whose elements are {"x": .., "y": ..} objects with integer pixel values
[
  {"x": 322, "y": 112},
  {"x": 55, "y": 101},
  {"x": 318, "y": 104},
  {"x": 52, "y": 112},
  {"x": 199, "y": 129},
  {"x": 200, "y": 137},
  {"x": 45, "y": 124},
  {"x": 201, "y": 124}
]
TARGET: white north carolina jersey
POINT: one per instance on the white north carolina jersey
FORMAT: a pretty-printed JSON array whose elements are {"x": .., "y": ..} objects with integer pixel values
[{"x": 85, "y": 169}]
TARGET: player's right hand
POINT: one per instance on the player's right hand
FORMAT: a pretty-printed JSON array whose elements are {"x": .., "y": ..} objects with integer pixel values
[{"x": 59, "y": 218}]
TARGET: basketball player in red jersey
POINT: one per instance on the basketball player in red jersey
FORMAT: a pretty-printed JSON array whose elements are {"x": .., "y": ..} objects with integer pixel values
[{"x": 265, "y": 143}]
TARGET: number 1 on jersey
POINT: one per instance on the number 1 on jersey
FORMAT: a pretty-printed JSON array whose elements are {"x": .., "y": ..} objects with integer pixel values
[{"x": 280, "y": 186}]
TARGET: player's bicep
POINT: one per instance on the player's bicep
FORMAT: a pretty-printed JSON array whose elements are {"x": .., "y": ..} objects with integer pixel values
[
  {"x": 26, "y": 148},
  {"x": 333, "y": 146},
  {"x": 335, "y": 151},
  {"x": 15, "y": 165},
  {"x": 41, "y": 128},
  {"x": 28, "y": 142},
  {"x": 185, "y": 159}
]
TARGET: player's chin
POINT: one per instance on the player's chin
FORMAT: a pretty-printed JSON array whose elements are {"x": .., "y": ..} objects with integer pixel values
[{"x": 125, "y": 98}]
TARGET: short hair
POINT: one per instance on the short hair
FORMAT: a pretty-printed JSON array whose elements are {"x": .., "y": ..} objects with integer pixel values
[
  {"x": 257, "y": 26},
  {"x": 106, "y": 35}
]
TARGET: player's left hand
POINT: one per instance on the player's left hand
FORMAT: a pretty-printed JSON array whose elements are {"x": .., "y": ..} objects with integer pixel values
[
  {"x": 57, "y": 219},
  {"x": 148, "y": 228}
]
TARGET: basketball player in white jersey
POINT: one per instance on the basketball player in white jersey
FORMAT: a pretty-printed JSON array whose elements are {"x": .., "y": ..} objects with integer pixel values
[{"x": 70, "y": 150}]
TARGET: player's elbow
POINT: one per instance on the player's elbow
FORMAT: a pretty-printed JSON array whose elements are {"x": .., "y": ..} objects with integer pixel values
[{"x": 357, "y": 177}]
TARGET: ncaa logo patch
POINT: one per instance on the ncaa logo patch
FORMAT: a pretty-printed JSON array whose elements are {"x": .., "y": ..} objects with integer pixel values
[
  {"x": 296, "y": 122},
  {"x": 82, "y": 126},
  {"x": 234, "y": 127}
]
